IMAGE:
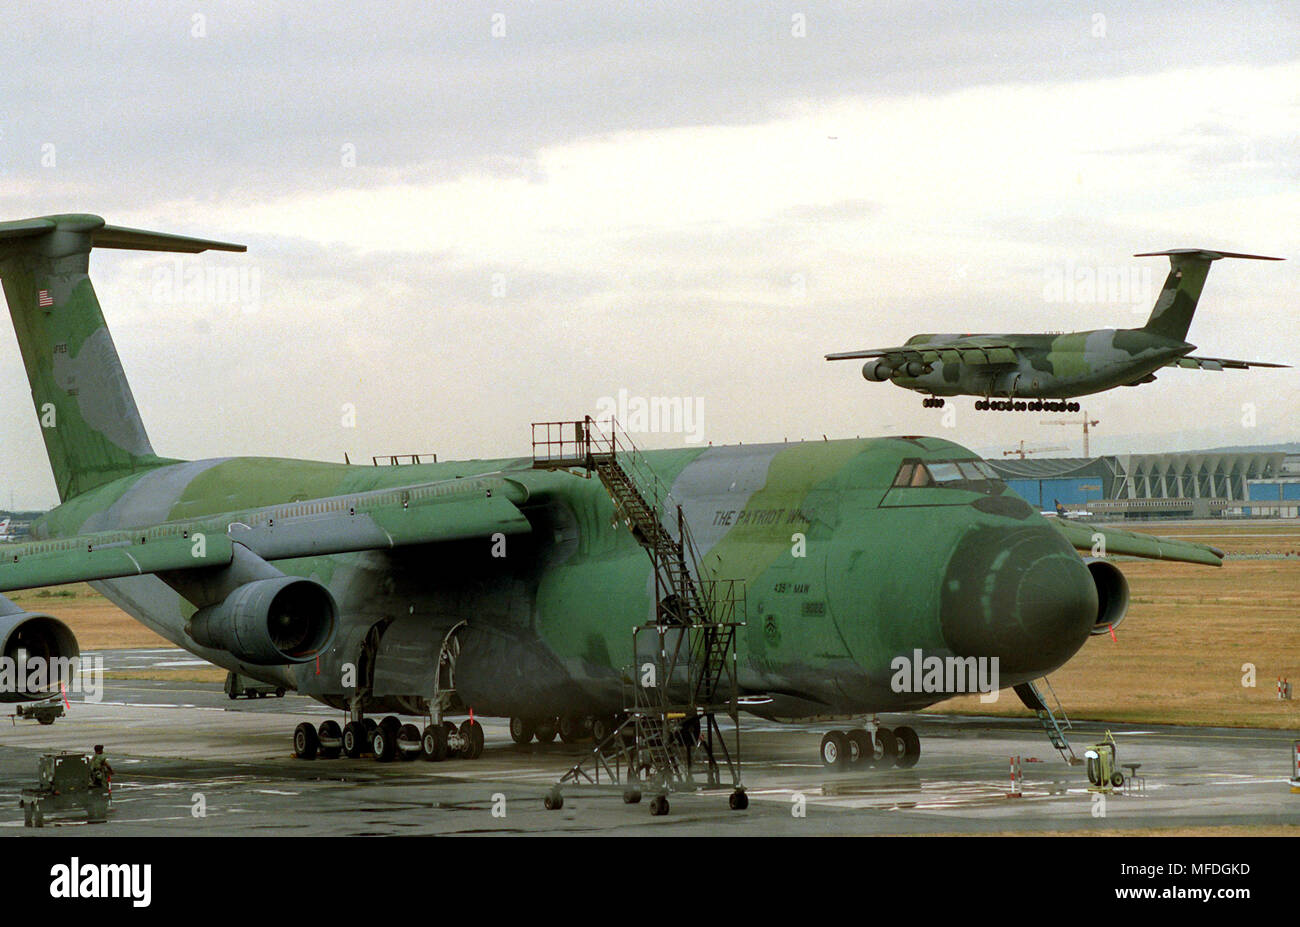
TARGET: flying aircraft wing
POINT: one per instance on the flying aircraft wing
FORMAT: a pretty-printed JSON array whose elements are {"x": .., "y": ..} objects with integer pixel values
[
  {"x": 974, "y": 354},
  {"x": 1219, "y": 363},
  {"x": 1084, "y": 536},
  {"x": 449, "y": 510}
]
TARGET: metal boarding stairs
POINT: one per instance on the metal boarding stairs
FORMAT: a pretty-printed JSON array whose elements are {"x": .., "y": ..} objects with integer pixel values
[
  {"x": 1033, "y": 699},
  {"x": 684, "y": 672}
]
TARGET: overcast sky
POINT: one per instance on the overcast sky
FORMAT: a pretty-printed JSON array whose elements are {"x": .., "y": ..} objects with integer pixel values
[{"x": 463, "y": 218}]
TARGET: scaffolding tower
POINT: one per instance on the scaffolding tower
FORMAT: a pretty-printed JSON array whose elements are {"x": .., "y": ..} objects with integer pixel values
[{"x": 683, "y": 676}]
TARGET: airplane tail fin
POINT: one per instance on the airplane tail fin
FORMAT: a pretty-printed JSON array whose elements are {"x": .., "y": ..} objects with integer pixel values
[
  {"x": 1188, "y": 267},
  {"x": 91, "y": 425}
]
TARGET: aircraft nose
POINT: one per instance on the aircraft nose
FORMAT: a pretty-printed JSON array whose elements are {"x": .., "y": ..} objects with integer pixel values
[{"x": 1022, "y": 596}]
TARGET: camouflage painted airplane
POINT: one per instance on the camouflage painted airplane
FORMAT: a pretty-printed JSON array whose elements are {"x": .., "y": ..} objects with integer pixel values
[
  {"x": 356, "y": 585},
  {"x": 1036, "y": 372}
]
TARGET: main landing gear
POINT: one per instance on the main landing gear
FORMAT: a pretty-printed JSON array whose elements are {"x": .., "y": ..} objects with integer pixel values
[
  {"x": 572, "y": 729},
  {"x": 389, "y": 740},
  {"x": 858, "y": 749},
  {"x": 1025, "y": 405},
  {"x": 932, "y": 402}
]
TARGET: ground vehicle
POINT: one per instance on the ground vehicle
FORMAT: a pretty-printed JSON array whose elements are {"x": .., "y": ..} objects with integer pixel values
[{"x": 66, "y": 784}]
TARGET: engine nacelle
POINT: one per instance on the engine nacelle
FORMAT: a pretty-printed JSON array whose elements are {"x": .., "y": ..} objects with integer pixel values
[
  {"x": 1112, "y": 595},
  {"x": 877, "y": 371},
  {"x": 268, "y": 622},
  {"x": 26, "y": 637}
]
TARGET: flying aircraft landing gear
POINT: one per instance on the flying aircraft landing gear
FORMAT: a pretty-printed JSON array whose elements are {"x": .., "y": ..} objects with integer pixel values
[
  {"x": 932, "y": 402},
  {"x": 1025, "y": 405},
  {"x": 871, "y": 747}
]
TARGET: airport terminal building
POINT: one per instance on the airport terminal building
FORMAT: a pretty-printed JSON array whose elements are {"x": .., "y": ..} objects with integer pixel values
[{"x": 1193, "y": 484}]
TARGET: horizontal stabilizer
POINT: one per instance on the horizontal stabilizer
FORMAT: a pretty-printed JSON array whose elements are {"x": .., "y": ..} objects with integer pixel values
[
  {"x": 1207, "y": 255},
  {"x": 110, "y": 236},
  {"x": 1219, "y": 363}
]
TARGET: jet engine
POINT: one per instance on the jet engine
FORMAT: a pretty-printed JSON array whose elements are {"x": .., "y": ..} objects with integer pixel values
[
  {"x": 1112, "y": 595},
  {"x": 27, "y": 637},
  {"x": 877, "y": 370},
  {"x": 271, "y": 621}
]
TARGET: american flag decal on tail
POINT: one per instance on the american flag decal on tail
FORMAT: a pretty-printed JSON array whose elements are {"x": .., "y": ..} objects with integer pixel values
[{"x": 44, "y": 299}]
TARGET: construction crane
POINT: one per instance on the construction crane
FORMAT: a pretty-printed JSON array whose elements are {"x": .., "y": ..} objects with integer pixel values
[
  {"x": 1085, "y": 422},
  {"x": 1022, "y": 452}
]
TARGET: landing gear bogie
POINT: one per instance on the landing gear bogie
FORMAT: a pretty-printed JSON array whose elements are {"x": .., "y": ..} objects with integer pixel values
[{"x": 1025, "y": 405}]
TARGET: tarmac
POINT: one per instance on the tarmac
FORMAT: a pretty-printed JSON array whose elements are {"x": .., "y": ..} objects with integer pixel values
[{"x": 189, "y": 761}]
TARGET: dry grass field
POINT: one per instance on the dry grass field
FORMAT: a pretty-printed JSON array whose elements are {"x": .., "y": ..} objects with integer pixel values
[{"x": 1177, "y": 659}]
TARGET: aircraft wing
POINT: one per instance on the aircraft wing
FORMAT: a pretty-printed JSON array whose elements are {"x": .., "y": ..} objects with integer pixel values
[
  {"x": 974, "y": 354},
  {"x": 450, "y": 510},
  {"x": 1219, "y": 363},
  {"x": 1084, "y": 536}
]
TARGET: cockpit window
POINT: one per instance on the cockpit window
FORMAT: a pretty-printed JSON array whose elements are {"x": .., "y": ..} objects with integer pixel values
[
  {"x": 913, "y": 474},
  {"x": 973, "y": 475},
  {"x": 945, "y": 472}
]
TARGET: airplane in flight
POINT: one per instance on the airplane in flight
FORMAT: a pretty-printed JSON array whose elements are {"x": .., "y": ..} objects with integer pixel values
[
  {"x": 514, "y": 586},
  {"x": 1038, "y": 372}
]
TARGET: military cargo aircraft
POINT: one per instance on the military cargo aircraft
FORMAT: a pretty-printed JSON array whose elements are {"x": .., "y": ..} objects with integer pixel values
[
  {"x": 1036, "y": 372},
  {"x": 380, "y": 588}
]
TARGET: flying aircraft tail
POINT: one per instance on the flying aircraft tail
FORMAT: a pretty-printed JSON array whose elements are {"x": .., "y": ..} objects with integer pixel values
[
  {"x": 91, "y": 425},
  {"x": 1188, "y": 267}
]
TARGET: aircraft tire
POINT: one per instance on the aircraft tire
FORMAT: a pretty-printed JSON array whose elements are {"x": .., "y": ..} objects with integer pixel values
[
  {"x": 659, "y": 805},
  {"x": 521, "y": 731},
  {"x": 632, "y": 797},
  {"x": 602, "y": 727},
  {"x": 886, "y": 754},
  {"x": 355, "y": 739},
  {"x": 861, "y": 748},
  {"x": 472, "y": 733},
  {"x": 835, "y": 750},
  {"x": 570, "y": 727},
  {"x": 545, "y": 732},
  {"x": 433, "y": 743},
  {"x": 410, "y": 735},
  {"x": 738, "y": 801},
  {"x": 1117, "y": 780},
  {"x": 331, "y": 740},
  {"x": 305, "y": 741},
  {"x": 384, "y": 745},
  {"x": 553, "y": 801},
  {"x": 909, "y": 747}
]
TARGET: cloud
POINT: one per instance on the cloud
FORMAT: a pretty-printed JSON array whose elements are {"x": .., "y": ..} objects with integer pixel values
[{"x": 675, "y": 199}]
